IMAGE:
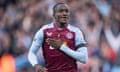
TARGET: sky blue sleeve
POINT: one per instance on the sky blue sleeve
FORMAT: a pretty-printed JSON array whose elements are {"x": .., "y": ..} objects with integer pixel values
[
  {"x": 80, "y": 54},
  {"x": 79, "y": 38},
  {"x": 36, "y": 44}
]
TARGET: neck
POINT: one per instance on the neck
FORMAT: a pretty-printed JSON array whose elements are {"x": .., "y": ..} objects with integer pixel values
[{"x": 61, "y": 25}]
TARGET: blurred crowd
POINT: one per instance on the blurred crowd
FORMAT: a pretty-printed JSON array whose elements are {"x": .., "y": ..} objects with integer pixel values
[{"x": 99, "y": 21}]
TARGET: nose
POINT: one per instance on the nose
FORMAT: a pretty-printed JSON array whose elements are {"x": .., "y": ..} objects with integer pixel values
[{"x": 65, "y": 13}]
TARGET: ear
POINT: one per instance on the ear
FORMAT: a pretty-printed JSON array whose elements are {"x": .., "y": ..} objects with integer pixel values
[{"x": 53, "y": 14}]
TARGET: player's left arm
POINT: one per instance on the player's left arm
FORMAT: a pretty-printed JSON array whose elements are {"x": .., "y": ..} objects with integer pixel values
[{"x": 81, "y": 54}]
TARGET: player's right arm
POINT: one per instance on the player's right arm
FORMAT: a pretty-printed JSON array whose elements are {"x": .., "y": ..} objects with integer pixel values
[{"x": 36, "y": 44}]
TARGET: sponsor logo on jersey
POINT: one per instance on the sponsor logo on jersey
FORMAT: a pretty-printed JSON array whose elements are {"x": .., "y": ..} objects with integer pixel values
[{"x": 49, "y": 33}]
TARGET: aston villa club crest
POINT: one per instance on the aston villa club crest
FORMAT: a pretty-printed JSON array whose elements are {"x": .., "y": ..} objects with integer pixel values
[
  {"x": 49, "y": 33},
  {"x": 69, "y": 35}
]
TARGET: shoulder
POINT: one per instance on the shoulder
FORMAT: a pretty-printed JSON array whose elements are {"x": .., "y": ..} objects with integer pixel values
[
  {"x": 73, "y": 28},
  {"x": 46, "y": 26},
  {"x": 76, "y": 30}
]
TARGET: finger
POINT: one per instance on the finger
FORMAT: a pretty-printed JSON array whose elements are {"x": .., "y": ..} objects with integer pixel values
[
  {"x": 50, "y": 39},
  {"x": 41, "y": 70},
  {"x": 45, "y": 69},
  {"x": 55, "y": 40},
  {"x": 47, "y": 39}
]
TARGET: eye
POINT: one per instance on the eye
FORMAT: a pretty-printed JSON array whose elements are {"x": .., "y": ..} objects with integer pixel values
[
  {"x": 64, "y": 10},
  {"x": 61, "y": 10},
  {"x": 67, "y": 10}
]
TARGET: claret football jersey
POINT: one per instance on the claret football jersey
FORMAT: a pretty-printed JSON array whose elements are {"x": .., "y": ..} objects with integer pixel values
[{"x": 56, "y": 60}]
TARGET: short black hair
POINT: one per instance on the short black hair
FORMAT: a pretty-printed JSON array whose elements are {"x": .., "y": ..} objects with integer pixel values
[{"x": 55, "y": 6}]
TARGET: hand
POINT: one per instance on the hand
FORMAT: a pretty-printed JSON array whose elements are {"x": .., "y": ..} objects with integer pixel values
[
  {"x": 55, "y": 43},
  {"x": 39, "y": 68}
]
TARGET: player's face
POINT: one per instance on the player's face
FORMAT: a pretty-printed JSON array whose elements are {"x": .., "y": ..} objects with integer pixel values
[{"x": 62, "y": 13}]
